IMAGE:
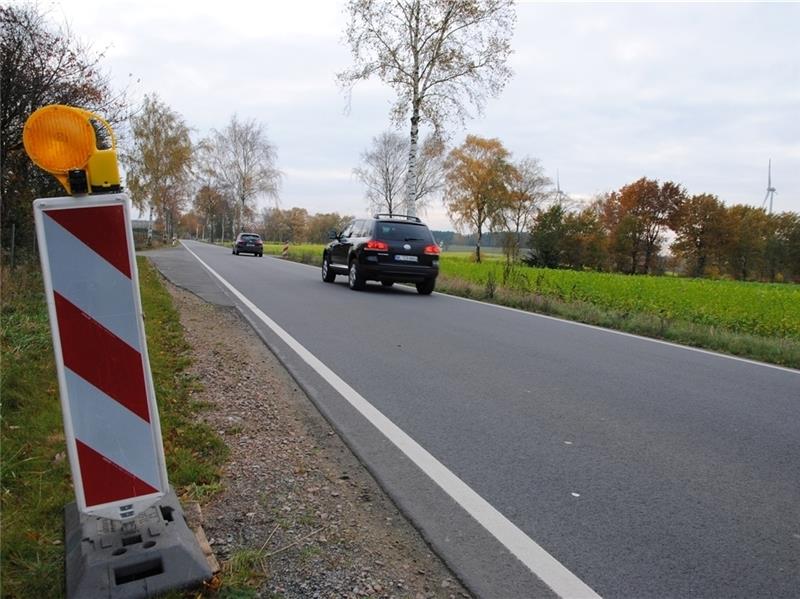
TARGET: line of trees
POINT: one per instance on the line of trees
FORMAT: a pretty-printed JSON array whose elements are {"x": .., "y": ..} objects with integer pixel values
[
  {"x": 294, "y": 225},
  {"x": 629, "y": 231},
  {"x": 645, "y": 227},
  {"x": 219, "y": 178}
]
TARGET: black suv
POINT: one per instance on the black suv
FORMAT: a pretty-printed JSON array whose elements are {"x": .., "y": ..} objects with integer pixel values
[
  {"x": 248, "y": 243},
  {"x": 386, "y": 248}
]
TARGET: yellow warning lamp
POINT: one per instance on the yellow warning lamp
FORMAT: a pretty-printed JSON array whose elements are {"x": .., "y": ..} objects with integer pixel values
[{"x": 63, "y": 140}]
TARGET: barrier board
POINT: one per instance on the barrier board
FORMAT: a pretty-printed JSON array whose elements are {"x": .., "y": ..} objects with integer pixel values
[{"x": 108, "y": 402}]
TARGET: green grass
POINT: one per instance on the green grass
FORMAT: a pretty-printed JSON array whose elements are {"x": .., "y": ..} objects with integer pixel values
[
  {"x": 35, "y": 482},
  {"x": 245, "y": 569},
  {"x": 756, "y": 320},
  {"x": 768, "y": 310},
  {"x": 307, "y": 253},
  {"x": 468, "y": 252}
]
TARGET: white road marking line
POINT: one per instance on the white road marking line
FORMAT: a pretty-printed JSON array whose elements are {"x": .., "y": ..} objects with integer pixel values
[{"x": 554, "y": 574}]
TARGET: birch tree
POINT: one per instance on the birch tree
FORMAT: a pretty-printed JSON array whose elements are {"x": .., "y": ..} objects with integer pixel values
[
  {"x": 440, "y": 56},
  {"x": 241, "y": 160}
]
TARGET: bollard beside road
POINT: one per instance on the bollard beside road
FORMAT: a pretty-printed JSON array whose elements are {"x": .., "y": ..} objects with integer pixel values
[{"x": 285, "y": 253}]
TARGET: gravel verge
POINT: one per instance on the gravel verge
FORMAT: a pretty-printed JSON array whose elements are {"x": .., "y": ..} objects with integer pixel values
[{"x": 298, "y": 516}]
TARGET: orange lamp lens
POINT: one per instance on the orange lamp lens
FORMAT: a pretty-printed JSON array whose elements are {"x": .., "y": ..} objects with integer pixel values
[{"x": 59, "y": 138}]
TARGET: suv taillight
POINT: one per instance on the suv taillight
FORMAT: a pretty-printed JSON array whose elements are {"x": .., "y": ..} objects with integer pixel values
[
  {"x": 378, "y": 246},
  {"x": 432, "y": 250}
]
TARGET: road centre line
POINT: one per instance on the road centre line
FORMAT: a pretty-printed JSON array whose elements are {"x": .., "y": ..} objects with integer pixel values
[
  {"x": 554, "y": 574},
  {"x": 605, "y": 330}
]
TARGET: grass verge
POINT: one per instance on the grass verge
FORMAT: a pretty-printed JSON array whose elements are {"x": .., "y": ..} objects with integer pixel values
[{"x": 35, "y": 482}]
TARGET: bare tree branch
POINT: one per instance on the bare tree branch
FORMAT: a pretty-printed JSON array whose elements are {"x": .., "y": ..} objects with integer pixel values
[
  {"x": 383, "y": 172},
  {"x": 241, "y": 161}
]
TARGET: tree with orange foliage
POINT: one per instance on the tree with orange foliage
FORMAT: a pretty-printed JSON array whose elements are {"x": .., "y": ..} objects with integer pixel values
[
  {"x": 477, "y": 175},
  {"x": 636, "y": 218}
]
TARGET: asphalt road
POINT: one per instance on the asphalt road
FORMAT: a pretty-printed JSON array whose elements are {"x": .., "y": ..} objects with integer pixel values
[{"x": 645, "y": 469}]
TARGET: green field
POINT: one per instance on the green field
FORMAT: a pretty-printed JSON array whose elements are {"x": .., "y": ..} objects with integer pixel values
[{"x": 769, "y": 310}]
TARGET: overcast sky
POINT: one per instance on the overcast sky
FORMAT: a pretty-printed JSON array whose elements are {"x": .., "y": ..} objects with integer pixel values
[{"x": 700, "y": 94}]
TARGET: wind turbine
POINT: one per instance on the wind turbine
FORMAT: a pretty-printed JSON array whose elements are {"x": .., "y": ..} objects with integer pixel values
[
  {"x": 559, "y": 194},
  {"x": 558, "y": 186},
  {"x": 770, "y": 189}
]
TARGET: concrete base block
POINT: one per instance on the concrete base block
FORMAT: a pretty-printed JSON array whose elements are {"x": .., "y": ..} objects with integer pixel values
[{"x": 149, "y": 555}]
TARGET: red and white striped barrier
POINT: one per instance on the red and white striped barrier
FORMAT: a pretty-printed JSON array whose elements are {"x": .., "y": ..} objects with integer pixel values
[
  {"x": 285, "y": 253},
  {"x": 111, "y": 421}
]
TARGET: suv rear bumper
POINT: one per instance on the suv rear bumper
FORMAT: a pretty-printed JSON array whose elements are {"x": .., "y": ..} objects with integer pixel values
[
  {"x": 397, "y": 273},
  {"x": 249, "y": 249}
]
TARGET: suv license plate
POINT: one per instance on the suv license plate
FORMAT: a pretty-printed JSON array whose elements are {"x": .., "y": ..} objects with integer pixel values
[{"x": 405, "y": 258}]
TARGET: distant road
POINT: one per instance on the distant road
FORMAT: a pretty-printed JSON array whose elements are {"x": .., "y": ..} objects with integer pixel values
[{"x": 642, "y": 468}]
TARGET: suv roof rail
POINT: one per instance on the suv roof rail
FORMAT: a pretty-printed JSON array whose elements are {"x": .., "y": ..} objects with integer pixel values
[{"x": 398, "y": 216}]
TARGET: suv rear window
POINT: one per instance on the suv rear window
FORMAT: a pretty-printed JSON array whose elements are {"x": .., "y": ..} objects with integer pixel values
[
  {"x": 402, "y": 231},
  {"x": 250, "y": 237}
]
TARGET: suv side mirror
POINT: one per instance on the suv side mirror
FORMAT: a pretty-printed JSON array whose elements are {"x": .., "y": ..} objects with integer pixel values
[{"x": 333, "y": 234}]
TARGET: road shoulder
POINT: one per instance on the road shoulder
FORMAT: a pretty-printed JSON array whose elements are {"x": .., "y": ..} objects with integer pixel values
[{"x": 297, "y": 509}]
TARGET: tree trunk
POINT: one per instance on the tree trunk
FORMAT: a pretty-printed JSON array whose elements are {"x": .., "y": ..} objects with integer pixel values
[
  {"x": 701, "y": 262},
  {"x": 478, "y": 246},
  {"x": 411, "y": 190},
  {"x": 150, "y": 226}
]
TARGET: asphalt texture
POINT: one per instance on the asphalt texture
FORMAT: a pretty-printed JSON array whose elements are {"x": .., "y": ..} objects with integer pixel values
[{"x": 647, "y": 469}]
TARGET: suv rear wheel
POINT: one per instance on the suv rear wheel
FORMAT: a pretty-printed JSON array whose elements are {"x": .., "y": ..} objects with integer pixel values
[
  {"x": 354, "y": 278},
  {"x": 426, "y": 287}
]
